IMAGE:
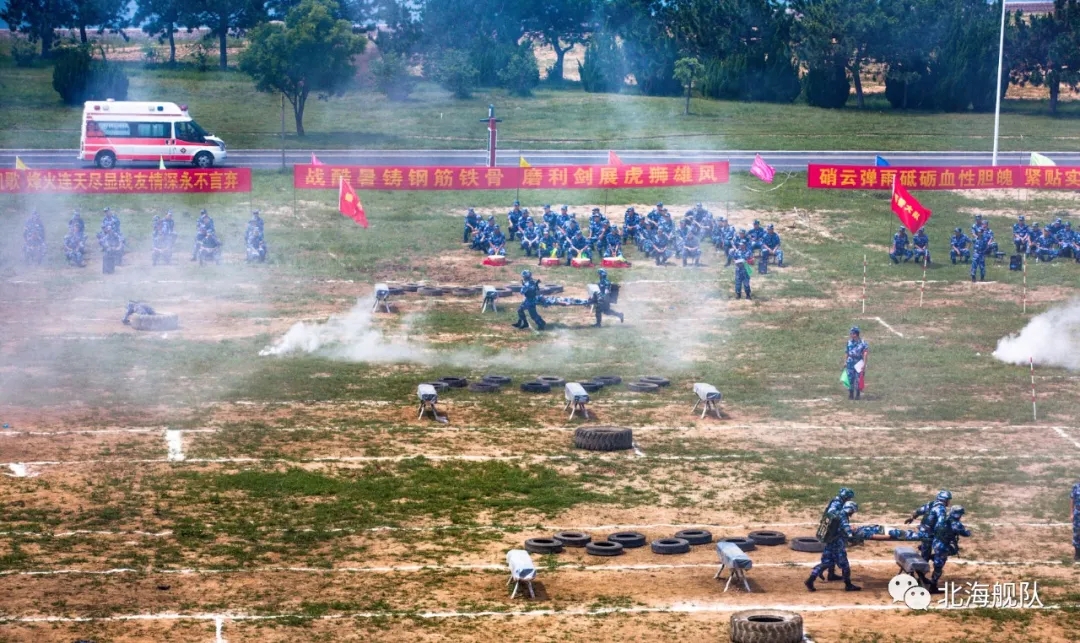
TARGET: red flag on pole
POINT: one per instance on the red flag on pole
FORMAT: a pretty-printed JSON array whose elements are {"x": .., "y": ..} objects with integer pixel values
[
  {"x": 762, "y": 170},
  {"x": 613, "y": 158},
  {"x": 349, "y": 204},
  {"x": 910, "y": 212},
  {"x": 315, "y": 160}
]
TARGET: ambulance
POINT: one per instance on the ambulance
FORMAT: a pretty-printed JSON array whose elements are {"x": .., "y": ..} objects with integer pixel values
[{"x": 123, "y": 131}]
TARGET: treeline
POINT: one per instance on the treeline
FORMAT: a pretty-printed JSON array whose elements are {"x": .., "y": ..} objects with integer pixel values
[{"x": 931, "y": 54}]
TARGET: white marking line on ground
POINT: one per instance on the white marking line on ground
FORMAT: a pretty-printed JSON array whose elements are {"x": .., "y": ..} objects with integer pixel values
[
  {"x": 504, "y": 528},
  {"x": 18, "y": 470},
  {"x": 392, "y": 569},
  {"x": 101, "y": 431},
  {"x": 174, "y": 439},
  {"x": 889, "y": 328},
  {"x": 219, "y": 624},
  {"x": 1065, "y": 436}
]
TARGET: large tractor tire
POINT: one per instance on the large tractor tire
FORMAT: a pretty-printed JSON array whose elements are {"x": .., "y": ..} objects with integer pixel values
[
  {"x": 603, "y": 438},
  {"x": 766, "y": 626}
]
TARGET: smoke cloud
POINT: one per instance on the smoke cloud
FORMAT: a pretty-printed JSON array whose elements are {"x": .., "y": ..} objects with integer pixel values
[
  {"x": 349, "y": 337},
  {"x": 1052, "y": 339}
]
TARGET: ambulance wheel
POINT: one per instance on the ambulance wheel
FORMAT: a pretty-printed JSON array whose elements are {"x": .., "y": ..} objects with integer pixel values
[
  {"x": 105, "y": 160},
  {"x": 204, "y": 160}
]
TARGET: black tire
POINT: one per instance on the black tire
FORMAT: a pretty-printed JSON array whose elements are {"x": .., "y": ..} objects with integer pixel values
[
  {"x": 502, "y": 292},
  {"x": 573, "y": 538},
  {"x": 643, "y": 387},
  {"x": 767, "y": 538},
  {"x": 429, "y": 292},
  {"x": 535, "y": 387},
  {"x": 591, "y": 387},
  {"x": 395, "y": 291},
  {"x": 438, "y": 384},
  {"x": 659, "y": 381},
  {"x": 546, "y": 290},
  {"x": 455, "y": 382},
  {"x": 556, "y": 289},
  {"x": 807, "y": 544},
  {"x": 608, "y": 380},
  {"x": 604, "y": 548},
  {"x": 461, "y": 292},
  {"x": 159, "y": 321},
  {"x": 603, "y": 438},
  {"x": 497, "y": 380},
  {"x": 551, "y": 380},
  {"x": 543, "y": 546},
  {"x": 106, "y": 160},
  {"x": 411, "y": 287},
  {"x": 628, "y": 539},
  {"x": 667, "y": 546},
  {"x": 483, "y": 387},
  {"x": 204, "y": 160},
  {"x": 744, "y": 544},
  {"x": 514, "y": 288},
  {"x": 766, "y": 626},
  {"x": 695, "y": 536}
]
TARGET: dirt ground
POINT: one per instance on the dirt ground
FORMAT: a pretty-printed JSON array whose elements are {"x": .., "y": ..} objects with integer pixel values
[{"x": 428, "y": 579}]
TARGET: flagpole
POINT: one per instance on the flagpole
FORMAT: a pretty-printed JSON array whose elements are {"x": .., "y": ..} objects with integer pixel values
[
  {"x": 517, "y": 189},
  {"x": 997, "y": 96},
  {"x": 864, "y": 284},
  {"x": 1034, "y": 414},
  {"x": 1023, "y": 258},
  {"x": 922, "y": 288}
]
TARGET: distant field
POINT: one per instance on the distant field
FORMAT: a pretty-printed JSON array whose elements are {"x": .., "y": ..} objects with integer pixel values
[{"x": 227, "y": 105}]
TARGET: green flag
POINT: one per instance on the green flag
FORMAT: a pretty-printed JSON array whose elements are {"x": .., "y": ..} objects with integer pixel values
[{"x": 844, "y": 379}]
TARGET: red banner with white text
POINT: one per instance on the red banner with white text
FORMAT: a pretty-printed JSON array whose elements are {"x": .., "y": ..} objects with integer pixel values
[
  {"x": 552, "y": 177},
  {"x": 872, "y": 177},
  {"x": 148, "y": 181}
]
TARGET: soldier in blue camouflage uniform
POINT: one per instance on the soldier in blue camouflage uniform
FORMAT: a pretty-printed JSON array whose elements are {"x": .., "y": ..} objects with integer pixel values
[
  {"x": 899, "y": 247},
  {"x": 631, "y": 226},
  {"x": 691, "y": 248},
  {"x": 921, "y": 246},
  {"x": 513, "y": 218},
  {"x": 1075, "y": 504},
  {"x": 497, "y": 243},
  {"x": 932, "y": 513},
  {"x": 979, "y": 249},
  {"x": 578, "y": 248},
  {"x": 1056, "y": 227},
  {"x": 530, "y": 239},
  {"x": 204, "y": 232},
  {"x": 857, "y": 350},
  {"x": 946, "y": 543},
  {"x": 613, "y": 243},
  {"x": 530, "y": 291},
  {"x": 78, "y": 225},
  {"x": 771, "y": 247},
  {"x": 832, "y": 509},
  {"x": 835, "y": 553},
  {"x": 1021, "y": 235},
  {"x": 958, "y": 247},
  {"x": 661, "y": 247},
  {"x": 549, "y": 245},
  {"x": 601, "y": 305},
  {"x": 1044, "y": 246},
  {"x": 756, "y": 234},
  {"x": 136, "y": 308},
  {"x": 1069, "y": 242},
  {"x": 75, "y": 246},
  {"x": 740, "y": 256},
  {"x": 472, "y": 224}
]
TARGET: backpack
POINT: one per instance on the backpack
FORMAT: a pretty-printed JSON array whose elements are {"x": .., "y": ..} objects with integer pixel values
[{"x": 1015, "y": 262}]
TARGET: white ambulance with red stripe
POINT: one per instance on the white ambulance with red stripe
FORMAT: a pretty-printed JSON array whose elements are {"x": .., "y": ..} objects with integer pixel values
[{"x": 119, "y": 131}]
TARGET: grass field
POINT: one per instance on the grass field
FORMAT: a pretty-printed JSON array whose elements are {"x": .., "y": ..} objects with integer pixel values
[
  {"x": 226, "y": 104},
  {"x": 297, "y": 498}
]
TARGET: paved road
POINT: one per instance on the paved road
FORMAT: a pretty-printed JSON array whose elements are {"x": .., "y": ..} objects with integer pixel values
[{"x": 740, "y": 160}]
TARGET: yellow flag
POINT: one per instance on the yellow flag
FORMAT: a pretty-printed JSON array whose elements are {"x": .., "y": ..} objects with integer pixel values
[
  {"x": 19, "y": 165},
  {"x": 161, "y": 163},
  {"x": 522, "y": 162},
  {"x": 1039, "y": 159}
]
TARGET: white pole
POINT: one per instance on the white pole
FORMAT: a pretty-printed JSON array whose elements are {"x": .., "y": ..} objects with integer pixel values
[
  {"x": 1034, "y": 414},
  {"x": 997, "y": 97},
  {"x": 864, "y": 284}
]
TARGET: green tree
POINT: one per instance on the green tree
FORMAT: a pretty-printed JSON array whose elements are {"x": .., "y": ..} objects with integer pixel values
[
  {"x": 163, "y": 18},
  {"x": 848, "y": 30},
  {"x": 1048, "y": 49},
  {"x": 603, "y": 69},
  {"x": 78, "y": 77},
  {"x": 38, "y": 19},
  {"x": 225, "y": 17},
  {"x": 103, "y": 14},
  {"x": 562, "y": 24},
  {"x": 311, "y": 52},
  {"x": 688, "y": 70},
  {"x": 392, "y": 76},
  {"x": 521, "y": 72},
  {"x": 453, "y": 70}
]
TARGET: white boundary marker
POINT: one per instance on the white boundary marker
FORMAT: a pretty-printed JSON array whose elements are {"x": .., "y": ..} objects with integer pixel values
[
  {"x": 174, "y": 441},
  {"x": 1065, "y": 436},
  {"x": 889, "y": 328}
]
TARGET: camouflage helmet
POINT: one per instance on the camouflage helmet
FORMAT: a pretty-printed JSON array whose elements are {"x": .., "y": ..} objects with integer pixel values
[
  {"x": 956, "y": 512},
  {"x": 526, "y": 274},
  {"x": 602, "y": 272},
  {"x": 846, "y": 494},
  {"x": 944, "y": 495},
  {"x": 855, "y": 330},
  {"x": 850, "y": 507}
]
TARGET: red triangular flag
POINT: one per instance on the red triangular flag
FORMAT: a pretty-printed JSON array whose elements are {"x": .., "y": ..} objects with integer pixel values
[
  {"x": 762, "y": 170},
  {"x": 613, "y": 158},
  {"x": 910, "y": 212},
  {"x": 315, "y": 160},
  {"x": 349, "y": 204}
]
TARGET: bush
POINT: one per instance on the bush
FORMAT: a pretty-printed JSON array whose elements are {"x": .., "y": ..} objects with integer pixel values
[
  {"x": 24, "y": 52},
  {"x": 77, "y": 77},
  {"x": 752, "y": 77},
  {"x": 202, "y": 54},
  {"x": 827, "y": 87},
  {"x": 521, "y": 73},
  {"x": 909, "y": 85},
  {"x": 392, "y": 77},
  {"x": 723, "y": 78},
  {"x": 489, "y": 57},
  {"x": 454, "y": 72},
  {"x": 603, "y": 69}
]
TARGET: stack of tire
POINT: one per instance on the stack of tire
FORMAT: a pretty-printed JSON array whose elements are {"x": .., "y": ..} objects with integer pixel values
[
  {"x": 547, "y": 383},
  {"x": 755, "y": 539},
  {"x": 648, "y": 384},
  {"x": 489, "y": 383},
  {"x": 618, "y": 542}
]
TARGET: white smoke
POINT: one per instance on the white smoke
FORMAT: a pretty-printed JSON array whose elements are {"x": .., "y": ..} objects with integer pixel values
[
  {"x": 348, "y": 337},
  {"x": 1051, "y": 339}
]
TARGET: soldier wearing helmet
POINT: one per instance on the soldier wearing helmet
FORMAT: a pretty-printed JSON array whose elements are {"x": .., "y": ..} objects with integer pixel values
[
  {"x": 601, "y": 302},
  {"x": 831, "y": 510},
  {"x": 946, "y": 542},
  {"x": 958, "y": 246},
  {"x": 835, "y": 553},
  {"x": 530, "y": 292},
  {"x": 856, "y": 358}
]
